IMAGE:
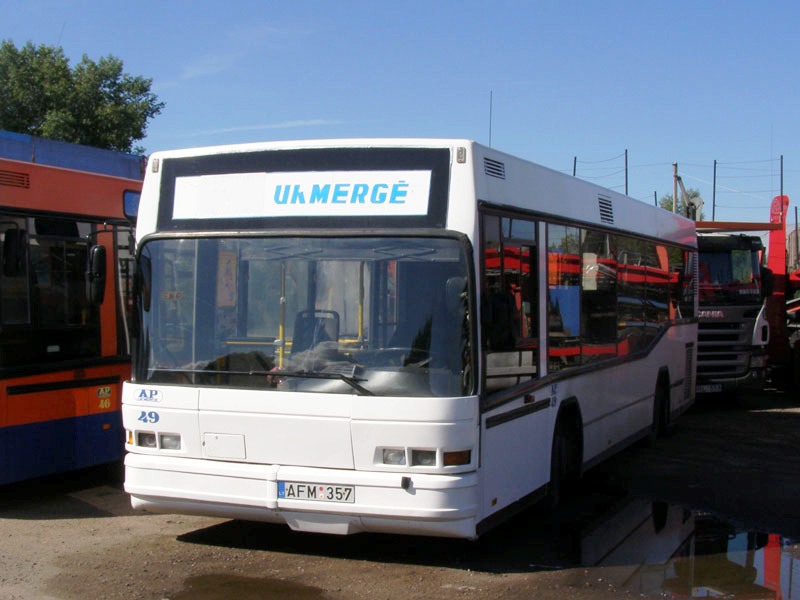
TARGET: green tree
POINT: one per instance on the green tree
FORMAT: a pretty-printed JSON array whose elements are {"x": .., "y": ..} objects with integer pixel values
[
  {"x": 665, "y": 202},
  {"x": 96, "y": 103}
]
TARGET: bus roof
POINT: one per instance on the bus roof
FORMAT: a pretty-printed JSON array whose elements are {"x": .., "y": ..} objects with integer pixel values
[
  {"x": 54, "y": 153},
  {"x": 499, "y": 177},
  {"x": 316, "y": 143}
]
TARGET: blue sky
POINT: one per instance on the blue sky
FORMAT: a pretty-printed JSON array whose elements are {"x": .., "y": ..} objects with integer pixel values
[{"x": 686, "y": 81}]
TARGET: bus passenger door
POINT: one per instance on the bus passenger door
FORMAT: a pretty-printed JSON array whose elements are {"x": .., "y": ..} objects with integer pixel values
[{"x": 517, "y": 417}]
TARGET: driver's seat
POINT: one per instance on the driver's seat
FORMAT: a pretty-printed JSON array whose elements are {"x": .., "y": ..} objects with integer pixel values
[{"x": 314, "y": 326}]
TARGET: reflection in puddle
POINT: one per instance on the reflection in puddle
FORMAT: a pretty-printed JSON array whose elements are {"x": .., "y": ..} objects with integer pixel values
[
  {"x": 623, "y": 546},
  {"x": 654, "y": 549}
]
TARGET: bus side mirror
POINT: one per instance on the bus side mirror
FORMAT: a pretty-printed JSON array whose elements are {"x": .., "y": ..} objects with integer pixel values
[
  {"x": 96, "y": 275},
  {"x": 15, "y": 245},
  {"x": 130, "y": 204},
  {"x": 143, "y": 282},
  {"x": 455, "y": 294}
]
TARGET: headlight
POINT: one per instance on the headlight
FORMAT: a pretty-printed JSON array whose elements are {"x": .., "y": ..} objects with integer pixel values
[
  {"x": 146, "y": 440},
  {"x": 423, "y": 458},
  {"x": 169, "y": 441},
  {"x": 394, "y": 456}
]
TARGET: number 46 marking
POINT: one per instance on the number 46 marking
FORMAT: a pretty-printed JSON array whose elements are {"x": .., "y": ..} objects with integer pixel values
[{"x": 148, "y": 416}]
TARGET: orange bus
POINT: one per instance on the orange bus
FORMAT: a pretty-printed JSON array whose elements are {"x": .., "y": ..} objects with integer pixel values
[{"x": 64, "y": 348}]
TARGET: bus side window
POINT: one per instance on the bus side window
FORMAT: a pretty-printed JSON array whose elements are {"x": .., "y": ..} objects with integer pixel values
[
  {"x": 500, "y": 320},
  {"x": 15, "y": 307},
  {"x": 15, "y": 243},
  {"x": 509, "y": 305}
]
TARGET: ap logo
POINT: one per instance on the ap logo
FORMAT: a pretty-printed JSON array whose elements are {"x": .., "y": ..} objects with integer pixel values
[{"x": 145, "y": 395}]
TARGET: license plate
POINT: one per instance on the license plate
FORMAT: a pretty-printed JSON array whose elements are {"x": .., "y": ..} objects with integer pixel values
[
  {"x": 710, "y": 388},
  {"x": 320, "y": 492}
]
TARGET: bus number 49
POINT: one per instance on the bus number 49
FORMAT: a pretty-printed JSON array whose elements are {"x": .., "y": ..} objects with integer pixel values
[{"x": 148, "y": 416}]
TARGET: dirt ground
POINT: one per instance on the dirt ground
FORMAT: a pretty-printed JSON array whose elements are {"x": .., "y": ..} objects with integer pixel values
[{"x": 77, "y": 537}]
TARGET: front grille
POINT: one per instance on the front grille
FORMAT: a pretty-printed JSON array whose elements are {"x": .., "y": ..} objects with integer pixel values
[{"x": 723, "y": 349}]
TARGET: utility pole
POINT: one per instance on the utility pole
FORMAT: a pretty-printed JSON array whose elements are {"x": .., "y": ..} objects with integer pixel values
[
  {"x": 674, "y": 187},
  {"x": 714, "y": 193},
  {"x": 626, "y": 171}
]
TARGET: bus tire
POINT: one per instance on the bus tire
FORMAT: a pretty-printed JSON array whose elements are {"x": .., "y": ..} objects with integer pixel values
[
  {"x": 661, "y": 424},
  {"x": 565, "y": 458}
]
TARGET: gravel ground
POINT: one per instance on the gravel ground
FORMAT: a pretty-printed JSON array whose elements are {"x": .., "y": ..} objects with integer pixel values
[{"x": 77, "y": 537}]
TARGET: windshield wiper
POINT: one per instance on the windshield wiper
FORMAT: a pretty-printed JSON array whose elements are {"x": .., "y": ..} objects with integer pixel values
[
  {"x": 347, "y": 375},
  {"x": 350, "y": 380}
]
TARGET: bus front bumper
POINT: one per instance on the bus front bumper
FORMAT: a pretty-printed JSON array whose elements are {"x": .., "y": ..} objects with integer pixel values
[{"x": 357, "y": 501}]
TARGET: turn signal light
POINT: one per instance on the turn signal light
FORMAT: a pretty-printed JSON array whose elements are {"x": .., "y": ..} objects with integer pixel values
[{"x": 462, "y": 457}]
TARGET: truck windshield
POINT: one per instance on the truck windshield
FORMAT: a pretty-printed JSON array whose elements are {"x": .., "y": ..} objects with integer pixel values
[
  {"x": 371, "y": 316},
  {"x": 729, "y": 277}
]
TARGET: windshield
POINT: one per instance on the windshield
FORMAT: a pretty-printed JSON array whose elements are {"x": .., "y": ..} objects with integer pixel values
[
  {"x": 372, "y": 316},
  {"x": 729, "y": 277}
]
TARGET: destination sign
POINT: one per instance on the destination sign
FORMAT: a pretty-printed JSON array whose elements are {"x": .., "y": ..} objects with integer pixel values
[{"x": 302, "y": 194}]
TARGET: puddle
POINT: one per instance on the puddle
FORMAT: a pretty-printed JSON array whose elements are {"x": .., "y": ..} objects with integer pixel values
[
  {"x": 617, "y": 545},
  {"x": 652, "y": 549},
  {"x": 214, "y": 587}
]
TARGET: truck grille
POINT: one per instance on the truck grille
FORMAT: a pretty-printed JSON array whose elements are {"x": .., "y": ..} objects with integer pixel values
[{"x": 723, "y": 349}]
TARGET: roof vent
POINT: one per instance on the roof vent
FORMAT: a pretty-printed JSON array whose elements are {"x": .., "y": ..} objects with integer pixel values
[
  {"x": 494, "y": 168},
  {"x": 606, "y": 210},
  {"x": 15, "y": 179}
]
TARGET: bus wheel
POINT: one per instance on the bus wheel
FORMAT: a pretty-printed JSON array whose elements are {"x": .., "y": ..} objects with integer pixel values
[
  {"x": 661, "y": 425},
  {"x": 564, "y": 459}
]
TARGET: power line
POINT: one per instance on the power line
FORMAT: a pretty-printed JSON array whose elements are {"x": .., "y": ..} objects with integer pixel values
[{"x": 604, "y": 160}]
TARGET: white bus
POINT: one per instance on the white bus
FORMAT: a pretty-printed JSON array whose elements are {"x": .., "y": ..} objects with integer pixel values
[{"x": 401, "y": 336}]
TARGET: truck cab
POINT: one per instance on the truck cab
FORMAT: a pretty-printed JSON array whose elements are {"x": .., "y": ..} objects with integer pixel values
[{"x": 733, "y": 329}]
